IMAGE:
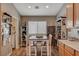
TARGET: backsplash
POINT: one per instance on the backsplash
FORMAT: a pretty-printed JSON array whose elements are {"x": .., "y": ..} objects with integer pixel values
[{"x": 74, "y": 33}]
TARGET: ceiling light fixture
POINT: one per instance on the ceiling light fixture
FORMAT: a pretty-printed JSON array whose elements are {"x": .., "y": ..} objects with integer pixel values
[
  {"x": 29, "y": 7},
  {"x": 47, "y": 6},
  {"x": 36, "y": 7}
]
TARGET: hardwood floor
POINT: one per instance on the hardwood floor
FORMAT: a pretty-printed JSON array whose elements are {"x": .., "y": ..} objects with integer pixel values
[
  {"x": 54, "y": 51},
  {"x": 22, "y": 52},
  {"x": 19, "y": 52}
]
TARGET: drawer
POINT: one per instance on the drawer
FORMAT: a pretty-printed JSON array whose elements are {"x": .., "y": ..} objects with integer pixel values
[
  {"x": 76, "y": 53},
  {"x": 69, "y": 49},
  {"x": 66, "y": 53}
]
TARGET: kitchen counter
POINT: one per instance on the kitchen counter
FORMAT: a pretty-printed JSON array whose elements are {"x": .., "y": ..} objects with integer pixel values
[{"x": 72, "y": 44}]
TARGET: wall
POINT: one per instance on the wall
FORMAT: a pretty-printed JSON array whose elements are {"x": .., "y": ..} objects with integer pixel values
[
  {"x": 10, "y": 9},
  {"x": 51, "y": 20},
  {"x": 74, "y": 33},
  {"x": 62, "y": 11}
]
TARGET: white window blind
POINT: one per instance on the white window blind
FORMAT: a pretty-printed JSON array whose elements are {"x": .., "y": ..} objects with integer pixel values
[
  {"x": 32, "y": 27},
  {"x": 39, "y": 27},
  {"x": 42, "y": 27}
]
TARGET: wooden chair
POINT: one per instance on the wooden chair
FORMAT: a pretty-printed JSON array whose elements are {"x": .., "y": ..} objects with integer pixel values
[
  {"x": 33, "y": 51},
  {"x": 50, "y": 40},
  {"x": 43, "y": 51}
]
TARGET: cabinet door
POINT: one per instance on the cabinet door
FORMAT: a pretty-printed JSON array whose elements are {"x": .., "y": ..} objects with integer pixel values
[
  {"x": 69, "y": 11},
  {"x": 66, "y": 53},
  {"x": 76, "y": 53},
  {"x": 61, "y": 49},
  {"x": 76, "y": 14},
  {"x": 69, "y": 50}
]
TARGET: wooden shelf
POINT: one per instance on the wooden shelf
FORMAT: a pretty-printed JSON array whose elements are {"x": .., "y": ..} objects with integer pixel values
[{"x": 23, "y": 36}]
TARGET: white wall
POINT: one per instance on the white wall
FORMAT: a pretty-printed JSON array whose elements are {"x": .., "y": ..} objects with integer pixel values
[
  {"x": 74, "y": 33},
  {"x": 51, "y": 20},
  {"x": 10, "y": 9},
  {"x": 62, "y": 11}
]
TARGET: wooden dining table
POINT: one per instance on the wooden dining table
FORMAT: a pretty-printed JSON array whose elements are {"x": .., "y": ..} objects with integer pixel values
[{"x": 40, "y": 43}]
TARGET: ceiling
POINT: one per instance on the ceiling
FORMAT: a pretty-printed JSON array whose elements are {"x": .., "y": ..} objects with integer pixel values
[{"x": 38, "y": 9}]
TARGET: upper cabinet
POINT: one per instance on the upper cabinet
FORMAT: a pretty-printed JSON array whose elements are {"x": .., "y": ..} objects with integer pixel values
[
  {"x": 69, "y": 15},
  {"x": 72, "y": 14},
  {"x": 76, "y": 14}
]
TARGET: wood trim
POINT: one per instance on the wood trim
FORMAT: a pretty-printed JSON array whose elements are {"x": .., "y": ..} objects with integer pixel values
[
  {"x": 0, "y": 30},
  {"x": 73, "y": 15}
]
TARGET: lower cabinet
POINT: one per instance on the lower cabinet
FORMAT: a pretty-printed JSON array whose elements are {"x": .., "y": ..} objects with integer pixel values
[
  {"x": 61, "y": 49},
  {"x": 65, "y": 50},
  {"x": 76, "y": 53},
  {"x": 68, "y": 51}
]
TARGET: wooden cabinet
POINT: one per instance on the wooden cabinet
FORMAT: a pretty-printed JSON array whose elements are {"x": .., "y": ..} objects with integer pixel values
[
  {"x": 61, "y": 49},
  {"x": 69, "y": 14},
  {"x": 65, "y": 50},
  {"x": 72, "y": 14},
  {"x": 76, "y": 53},
  {"x": 76, "y": 14},
  {"x": 68, "y": 51}
]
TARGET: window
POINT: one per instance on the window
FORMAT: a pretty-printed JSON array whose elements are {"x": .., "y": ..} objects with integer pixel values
[{"x": 37, "y": 27}]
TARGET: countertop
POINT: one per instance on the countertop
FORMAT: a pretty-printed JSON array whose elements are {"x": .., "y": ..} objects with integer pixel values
[{"x": 72, "y": 44}]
